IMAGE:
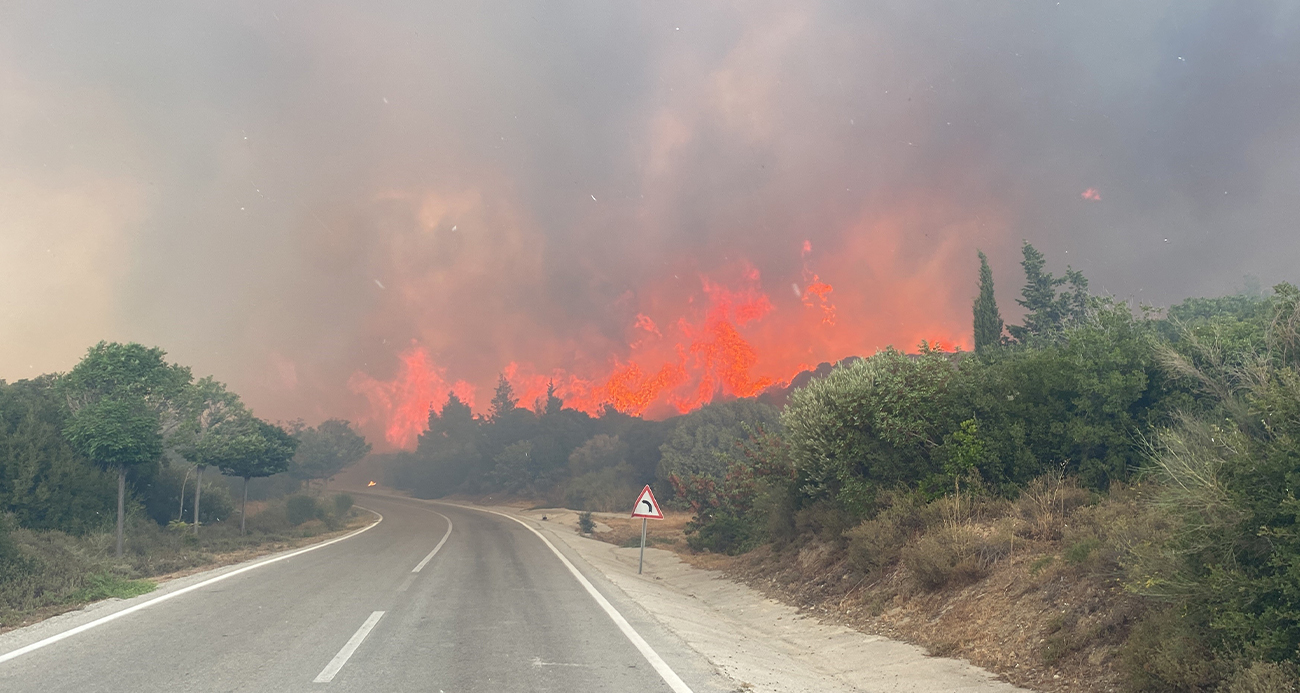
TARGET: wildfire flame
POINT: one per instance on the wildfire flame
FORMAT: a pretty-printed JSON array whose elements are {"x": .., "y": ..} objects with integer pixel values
[{"x": 729, "y": 340}]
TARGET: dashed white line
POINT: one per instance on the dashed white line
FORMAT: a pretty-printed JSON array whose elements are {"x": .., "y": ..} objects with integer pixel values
[
  {"x": 434, "y": 552},
  {"x": 665, "y": 672},
  {"x": 327, "y": 674},
  {"x": 171, "y": 595}
]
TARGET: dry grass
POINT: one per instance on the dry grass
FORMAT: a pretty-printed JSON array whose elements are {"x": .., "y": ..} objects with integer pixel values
[
  {"x": 1049, "y": 615},
  {"x": 668, "y": 533}
]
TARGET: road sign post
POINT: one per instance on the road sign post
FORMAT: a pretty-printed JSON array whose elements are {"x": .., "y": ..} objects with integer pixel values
[{"x": 646, "y": 508}]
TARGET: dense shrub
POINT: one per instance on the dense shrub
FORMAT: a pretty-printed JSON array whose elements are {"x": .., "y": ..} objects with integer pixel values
[
  {"x": 877, "y": 543},
  {"x": 299, "y": 509},
  {"x": 605, "y": 490}
]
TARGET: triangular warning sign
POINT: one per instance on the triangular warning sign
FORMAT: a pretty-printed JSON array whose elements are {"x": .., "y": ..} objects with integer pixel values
[{"x": 647, "y": 506}]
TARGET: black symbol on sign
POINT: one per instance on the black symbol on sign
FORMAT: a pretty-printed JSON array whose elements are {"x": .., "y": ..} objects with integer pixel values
[{"x": 648, "y": 508}]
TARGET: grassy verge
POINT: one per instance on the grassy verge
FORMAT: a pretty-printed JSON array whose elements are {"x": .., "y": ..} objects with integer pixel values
[{"x": 44, "y": 573}]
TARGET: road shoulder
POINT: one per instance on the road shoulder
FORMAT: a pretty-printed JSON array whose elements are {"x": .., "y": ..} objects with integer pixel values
[{"x": 762, "y": 644}]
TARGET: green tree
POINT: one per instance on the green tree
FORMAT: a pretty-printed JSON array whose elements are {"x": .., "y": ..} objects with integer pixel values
[
  {"x": 988, "y": 321},
  {"x": 120, "y": 397},
  {"x": 327, "y": 449},
  {"x": 210, "y": 416},
  {"x": 44, "y": 482},
  {"x": 503, "y": 400},
  {"x": 259, "y": 450},
  {"x": 1047, "y": 313},
  {"x": 601, "y": 452},
  {"x": 707, "y": 440},
  {"x": 449, "y": 449}
]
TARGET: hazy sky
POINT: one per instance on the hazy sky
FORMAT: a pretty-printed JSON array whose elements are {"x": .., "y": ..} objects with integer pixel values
[{"x": 291, "y": 195}]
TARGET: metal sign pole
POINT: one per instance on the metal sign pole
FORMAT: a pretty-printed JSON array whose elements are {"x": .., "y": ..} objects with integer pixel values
[{"x": 642, "y": 561}]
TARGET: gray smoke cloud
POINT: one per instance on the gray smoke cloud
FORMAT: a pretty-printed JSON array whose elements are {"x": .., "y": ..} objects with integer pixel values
[{"x": 287, "y": 194}]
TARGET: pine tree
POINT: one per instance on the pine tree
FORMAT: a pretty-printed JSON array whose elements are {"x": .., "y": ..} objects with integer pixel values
[
  {"x": 504, "y": 400},
  {"x": 1048, "y": 315},
  {"x": 988, "y": 321},
  {"x": 553, "y": 402}
]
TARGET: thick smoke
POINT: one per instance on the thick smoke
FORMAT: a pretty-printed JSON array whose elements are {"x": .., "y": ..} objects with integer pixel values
[{"x": 312, "y": 200}]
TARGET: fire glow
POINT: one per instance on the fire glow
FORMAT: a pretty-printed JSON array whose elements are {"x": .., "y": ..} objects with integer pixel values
[{"x": 729, "y": 340}]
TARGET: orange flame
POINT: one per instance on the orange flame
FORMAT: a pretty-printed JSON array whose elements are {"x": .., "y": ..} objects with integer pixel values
[{"x": 730, "y": 340}]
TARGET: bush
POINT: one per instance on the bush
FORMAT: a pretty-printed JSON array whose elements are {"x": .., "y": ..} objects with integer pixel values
[
  {"x": 825, "y": 519},
  {"x": 586, "y": 525},
  {"x": 1263, "y": 677},
  {"x": 299, "y": 509},
  {"x": 342, "y": 504},
  {"x": 273, "y": 519},
  {"x": 724, "y": 533},
  {"x": 606, "y": 490},
  {"x": 878, "y": 543},
  {"x": 952, "y": 555},
  {"x": 1167, "y": 652}
]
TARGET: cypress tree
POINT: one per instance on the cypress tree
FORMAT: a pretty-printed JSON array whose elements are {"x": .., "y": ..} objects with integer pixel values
[{"x": 988, "y": 321}]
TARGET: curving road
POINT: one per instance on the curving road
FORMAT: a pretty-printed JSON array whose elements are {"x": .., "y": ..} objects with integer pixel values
[{"x": 433, "y": 598}]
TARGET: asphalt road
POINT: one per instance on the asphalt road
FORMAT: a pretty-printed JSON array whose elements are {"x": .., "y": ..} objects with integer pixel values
[{"x": 497, "y": 608}]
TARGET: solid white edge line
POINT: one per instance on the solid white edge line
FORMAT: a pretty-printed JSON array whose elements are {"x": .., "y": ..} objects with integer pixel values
[
  {"x": 666, "y": 672},
  {"x": 170, "y": 595},
  {"x": 327, "y": 674},
  {"x": 434, "y": 552}
]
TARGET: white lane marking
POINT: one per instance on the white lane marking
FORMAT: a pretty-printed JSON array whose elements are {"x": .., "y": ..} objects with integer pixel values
[
  {"x": 327, "y": 674},
  {"x": 666, "y": 672},
  {"x": 410, "y": 577},
  {"x": 432, "y": 553},
  {"x": 158, "y": 600}
]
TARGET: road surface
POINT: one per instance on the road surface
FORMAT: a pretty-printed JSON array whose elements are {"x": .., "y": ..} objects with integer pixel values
[{"x": 493, "y": 606}]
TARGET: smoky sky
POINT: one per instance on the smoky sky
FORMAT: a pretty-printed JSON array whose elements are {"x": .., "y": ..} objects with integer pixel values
[{"x": 285, "y": 194}]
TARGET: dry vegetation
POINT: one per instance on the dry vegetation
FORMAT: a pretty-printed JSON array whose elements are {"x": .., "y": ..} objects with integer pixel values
[
  {"x": 56, "y": 572},
  {"x": 1029, "y": 589}
]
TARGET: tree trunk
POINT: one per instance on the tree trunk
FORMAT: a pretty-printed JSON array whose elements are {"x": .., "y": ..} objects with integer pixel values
[
  {"x": 243, "y": 508},
  {"x": 180, "y": 514},
  {"x": 121, "y": 507},
  {"x": 198, "y": 489}
]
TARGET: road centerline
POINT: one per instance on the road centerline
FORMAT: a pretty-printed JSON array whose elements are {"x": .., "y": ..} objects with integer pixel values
[
  {"x": 327, "y": 674},
  {"x": 434, "y": 552}
]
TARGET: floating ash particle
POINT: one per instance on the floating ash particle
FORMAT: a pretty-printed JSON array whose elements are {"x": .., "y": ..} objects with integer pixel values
[
  {"x": 380, "y": 284},
  {"x": 1091, "y": 194}
]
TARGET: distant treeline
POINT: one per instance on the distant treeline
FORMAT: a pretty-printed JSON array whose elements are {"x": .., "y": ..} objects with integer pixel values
[
  {"x": 126, "y": 415},
  {"x": 568, "y": 456}
]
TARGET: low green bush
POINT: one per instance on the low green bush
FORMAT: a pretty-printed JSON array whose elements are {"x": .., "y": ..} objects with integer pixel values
[
  {"x": 724, "y": 533},
  {"x": 586, "y": 525},
  {"x": 299, "y": 509},
  {"x": 605, "y": 490},
  {"x": 342, "y": 504}
]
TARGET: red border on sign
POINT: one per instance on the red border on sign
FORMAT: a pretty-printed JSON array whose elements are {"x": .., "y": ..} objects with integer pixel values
[{"x": 658, "y": 513}]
